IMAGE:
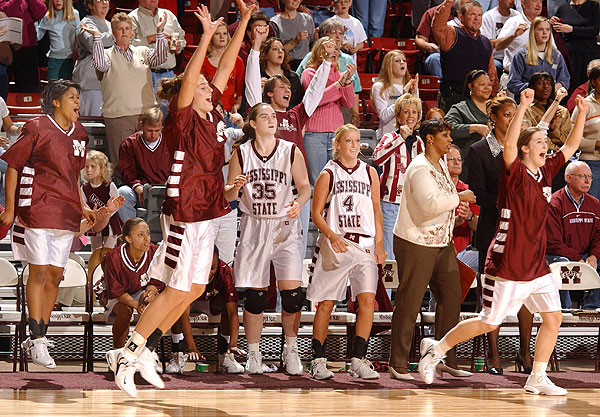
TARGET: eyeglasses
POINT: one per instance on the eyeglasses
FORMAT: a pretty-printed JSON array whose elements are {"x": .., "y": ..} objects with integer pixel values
[
  {"x": 343, "y": 2},
  {"x": 583, "y": 176},
  {"x": 452, "y": 159},
  {"x": 102, "y": 1}
]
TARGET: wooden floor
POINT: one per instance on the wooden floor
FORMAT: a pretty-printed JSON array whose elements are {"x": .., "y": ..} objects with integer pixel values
[{"x": 305, "y": 403}]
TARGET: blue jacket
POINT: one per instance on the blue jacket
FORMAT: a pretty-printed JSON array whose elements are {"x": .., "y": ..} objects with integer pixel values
[{"x": 520, "y": 71}]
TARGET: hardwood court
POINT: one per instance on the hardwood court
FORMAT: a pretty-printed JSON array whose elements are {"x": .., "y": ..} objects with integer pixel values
[{"x": 305, "y": 403}]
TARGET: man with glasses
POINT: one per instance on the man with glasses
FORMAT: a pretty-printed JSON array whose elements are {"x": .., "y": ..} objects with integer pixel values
[{"x": 573, "y": 227}]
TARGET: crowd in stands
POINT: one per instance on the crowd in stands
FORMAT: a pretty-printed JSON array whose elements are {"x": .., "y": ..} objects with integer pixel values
[{"x": 304, "y": 59}]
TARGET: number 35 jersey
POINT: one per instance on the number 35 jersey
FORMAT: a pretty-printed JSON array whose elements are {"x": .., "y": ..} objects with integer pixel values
[
  {"x": 269, "y": 187},
  {"x": 349, "y": 207}
]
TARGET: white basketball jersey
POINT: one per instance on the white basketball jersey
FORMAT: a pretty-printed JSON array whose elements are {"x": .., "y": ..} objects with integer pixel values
[
  {"x": 349, "y": 207},
  {"x": 269, "y": 187}
]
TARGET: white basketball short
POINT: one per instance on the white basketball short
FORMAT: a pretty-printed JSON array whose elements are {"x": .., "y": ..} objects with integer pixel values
[
  {"x": 184, "y": 257},
  {"x": 331, "y": 272},
  {"x": 502, "y": 297},
  {"x": 109, "y": 316},
  {"x": 41, "y": 246},
  {"x": 263, "y": 241}
]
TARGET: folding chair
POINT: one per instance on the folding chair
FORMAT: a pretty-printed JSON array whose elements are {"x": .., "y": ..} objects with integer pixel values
[{"x": 11, "y": 313}]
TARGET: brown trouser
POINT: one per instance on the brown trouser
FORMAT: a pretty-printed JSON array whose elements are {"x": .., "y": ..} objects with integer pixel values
[
  {"x": 419, "y": 266},
  {"x": 116, "y": 130}
]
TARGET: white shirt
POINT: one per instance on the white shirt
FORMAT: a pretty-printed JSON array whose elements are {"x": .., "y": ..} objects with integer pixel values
[
  {"x": 355, "y": 32},
  {"x": 491, "y": 25}
]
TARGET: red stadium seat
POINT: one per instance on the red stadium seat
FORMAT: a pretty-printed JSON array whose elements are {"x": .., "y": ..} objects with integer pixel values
[
  {"x": 429, "y": 86},
  {"x": 23, "y": 103}
]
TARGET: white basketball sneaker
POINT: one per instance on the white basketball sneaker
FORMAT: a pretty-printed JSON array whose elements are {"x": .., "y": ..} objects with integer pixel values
[
  {"x": 228, "y": 364},
  {"x": 146, "y": 364},
  {"x": 254, "y": 363},
  {"x": 362, "y": 368},
  {"x": 429, "y": 360},
  {"x": 318, "y": 369},
  {"x": 124, "y": 371},
  {"x": 37, "y": 349},
  {"x": 177, "y": 363},
  {"x": 291, "y": 360},
  {"x": 540, "y": 384}
]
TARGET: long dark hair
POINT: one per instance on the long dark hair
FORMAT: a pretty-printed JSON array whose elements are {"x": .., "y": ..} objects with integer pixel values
[
  {"x": 127, "y": 228},
  {"x": 249, "y": 132}
]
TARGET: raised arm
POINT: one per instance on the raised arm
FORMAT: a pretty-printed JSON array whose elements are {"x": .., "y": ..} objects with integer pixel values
[
  {"x": 316, "y": 87},
  {"x": 227, "y": 61},
  {"x": 192, "y": 70},
  {"x": 253, "y": 85},
  {"x": 574, "y": 138},
  {"x": 514, "y": 129},
  {"x": 443, "y": 34}
]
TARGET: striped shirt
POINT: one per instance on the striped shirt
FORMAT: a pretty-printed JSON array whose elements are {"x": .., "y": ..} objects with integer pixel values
[{"x": 155, "y": 57}]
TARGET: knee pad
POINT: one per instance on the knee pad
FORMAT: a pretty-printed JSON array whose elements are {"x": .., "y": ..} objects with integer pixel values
[
  {"x": 292, "y": 300},
  {"x": 256, "y": 301}
]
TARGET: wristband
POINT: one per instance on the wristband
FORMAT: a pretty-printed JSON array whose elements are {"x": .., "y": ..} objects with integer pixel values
[{"x": 472, "y": 217}]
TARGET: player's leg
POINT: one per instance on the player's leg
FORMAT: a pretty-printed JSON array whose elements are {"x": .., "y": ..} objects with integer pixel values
[
  {"x": 177, "y": 362},
  {"x": 254, "y": 306},
  {"x": 120, "y": 327},
  {"x": 292, "y": 299},
  {"x": 226, "y": 357},
  {"x": 318, "y": 365}
]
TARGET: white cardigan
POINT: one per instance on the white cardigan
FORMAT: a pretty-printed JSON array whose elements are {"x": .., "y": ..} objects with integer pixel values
[{"x": 426, "y": 214}]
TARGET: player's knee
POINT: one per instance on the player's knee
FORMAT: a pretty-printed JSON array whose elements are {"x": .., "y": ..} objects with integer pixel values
[
  {"x": 326, "y": 306},
  {"x": 292, "y": 300},
  {"x": 256, "y": 301},
  {"x": 553, "y": 319},
  {"x": 486, "y": 327}
]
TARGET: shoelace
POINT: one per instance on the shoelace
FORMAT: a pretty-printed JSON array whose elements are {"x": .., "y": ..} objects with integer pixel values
[{"x": 433, "y": 363}]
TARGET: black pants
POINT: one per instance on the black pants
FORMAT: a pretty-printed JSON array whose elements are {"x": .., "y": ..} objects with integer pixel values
[{"x": 25, "y": 70}]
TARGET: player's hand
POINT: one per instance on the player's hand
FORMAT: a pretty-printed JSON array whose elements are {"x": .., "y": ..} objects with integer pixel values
[
  {"x": 140, "y": 193},
  {"x": 6, "y": 218},
  {"x": 208, "y": 26},
  {"x": 294, "y": 209},
  {"x": 140, "y": 308},
  {"x": 245, "y": 9},
  {"x": 527, "y": 97},
  {"x": 236, "y": 119},
  {"x": 582, "y": 105},
  {"x": 467, "y": 195},
  {"x": 237, "y": 351},
  {"x": 149, "y": 294},
  {"x": 240, "y": 181},
  {"x": 194, "y": 355},
  {"x": 560, "y": 94},
  {"x": 115, "y": 203},
  {"x": 380, "y": 253},
  {"x": 89, "y": 215},
  {"x": 338, "y": 244}
]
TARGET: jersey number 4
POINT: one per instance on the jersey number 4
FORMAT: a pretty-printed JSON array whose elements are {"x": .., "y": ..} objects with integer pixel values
[
  {"x": 262, "y": 191},
  {"x": 348, "y": 203}
]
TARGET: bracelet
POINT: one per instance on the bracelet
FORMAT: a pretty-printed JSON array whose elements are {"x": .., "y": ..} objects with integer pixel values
[{"x": 472, "y": 217}]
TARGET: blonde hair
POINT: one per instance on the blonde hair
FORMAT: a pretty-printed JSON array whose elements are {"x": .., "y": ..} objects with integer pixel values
[
  {"x": 102, "y": 161},
  {"x": 317, "y": 53},
  {"x": 118, "y": 18},
  {"x": 531, "y": 50},
  {"x": 406, "y": 100},
  {"x": 339, "y": 135},
  {"x": 153, "y": 116},
  {"x": 386, "y": 75},
  {"x": 68, "y": 11},
  {"x": 211, "y": 48}
]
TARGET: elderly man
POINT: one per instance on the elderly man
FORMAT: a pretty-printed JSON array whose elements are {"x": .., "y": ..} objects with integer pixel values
[
  {"x": 573, "y": 227},
  {"x": 126, "y": 79},
  {"x": 463, "y": 49},
  {"x": 144, "y": 20}
]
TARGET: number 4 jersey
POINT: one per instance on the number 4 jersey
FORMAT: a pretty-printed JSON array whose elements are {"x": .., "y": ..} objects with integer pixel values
[
  {"x": 269, "y": 187},
  {"x": 349, "y": 207}
]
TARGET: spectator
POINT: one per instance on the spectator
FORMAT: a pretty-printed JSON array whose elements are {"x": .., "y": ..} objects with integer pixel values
[
  {"x": 468, "y": 118},
  {"x": 11, "y": 129},
  {"x": 274, "y": 60},
  {"x": 425, "y": 41},
  {"x": 434, "y": 113},
  {"x": 544, "y": 88},
  {"x": 144, "y": 160},
  {"x": 372, "y": 15},
  {"x": 491, "y": 24},
  {"x": 126, "y": 70},
  {"x": 354, "y": 34},
  {"x": 335, "y": 30},
  {"x": 258, "y": 19},
  {"x": 144, "y": 21},
  {"x": 327, "y": 117},
  {"x": 466, "y": 214},
  {"x": 295, "y": 29},
  {"x": 463, "y": 49},
  {"x": 515, "y": 34},
  {"x": 424, "y": 250},
  {"x": 579, "y": 23},
  {"x": 125, "y": 285},
  {"x": 25, "y": 59},
  {"x": 538, "y": 55},
  {"x": 232, "y": 96},
  {"x": 394, "y": 152},
  {"x": 84, "y": 73},
  {"x": 219, "y": 299},
  {"x": 393, "y": 81},
  {"x": 582, "y": 90},
  {"x": 61, "y": 24},
  {"x": 590, "y": 143},
  {"x": 320, "y": 10},
  {"x": 573, "y": 227},
  {"x": 6, "y": 57}
]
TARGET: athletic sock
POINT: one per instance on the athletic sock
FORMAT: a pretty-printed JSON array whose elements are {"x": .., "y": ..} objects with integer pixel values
[
  {"x": 222, "y": 345},
  {"x": 291, "y": 341},
  {"x": 539, "y": 367},
  {"x": 359, "y": 347},
  {"x": 153, "y": 340},
  {"x": 318, "y": 348},
  {"x": 176, "y": 337},
  {"x": 442, "y": 347},
  {"x": 133, "y": 347},
  {"x": 35, "y": 328},
  {"x": 43, "y": 327},
  {"x": 253, "y": 347}
]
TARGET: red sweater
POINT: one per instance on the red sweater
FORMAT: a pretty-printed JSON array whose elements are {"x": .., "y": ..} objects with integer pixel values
[
  {"x": 573, "y": 231},
  {"x": 138, "y": 164},
  {"x": 462, "y": 235}
]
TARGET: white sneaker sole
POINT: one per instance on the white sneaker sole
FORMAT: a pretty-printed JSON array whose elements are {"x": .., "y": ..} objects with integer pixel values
[{"x": 534, "y": 391}]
